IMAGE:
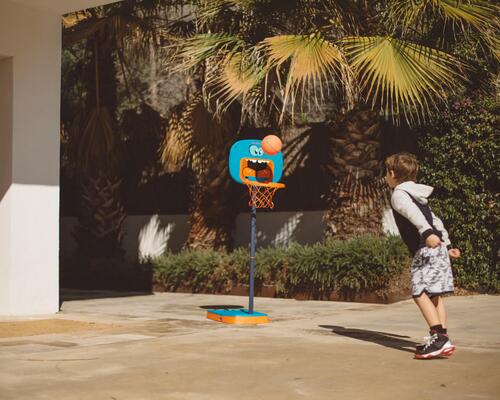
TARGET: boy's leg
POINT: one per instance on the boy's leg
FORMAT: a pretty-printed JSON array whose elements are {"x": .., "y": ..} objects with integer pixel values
[
  {"x": 439, "y": 304},
  {"x": 440, "y": 344},
  {"x": 428, "y": 309}
]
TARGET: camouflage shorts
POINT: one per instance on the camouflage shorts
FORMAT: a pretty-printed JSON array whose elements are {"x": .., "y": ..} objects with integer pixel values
[{"x": 431, "y": 272}]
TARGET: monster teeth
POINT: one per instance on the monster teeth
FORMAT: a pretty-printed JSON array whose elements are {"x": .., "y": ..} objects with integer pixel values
[{"x": 258, "y": 161}]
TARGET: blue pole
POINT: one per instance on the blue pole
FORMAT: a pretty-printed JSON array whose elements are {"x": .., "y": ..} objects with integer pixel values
[{"x": 253, "y": 224}]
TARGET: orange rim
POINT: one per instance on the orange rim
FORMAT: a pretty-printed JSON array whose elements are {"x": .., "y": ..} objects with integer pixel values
[
  {"x": 261, "y": 193},
  {"x": 277, "y": 185}
]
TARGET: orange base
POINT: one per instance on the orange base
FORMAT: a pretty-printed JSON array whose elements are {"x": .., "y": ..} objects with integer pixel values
[{"x": 237, "y": 317}]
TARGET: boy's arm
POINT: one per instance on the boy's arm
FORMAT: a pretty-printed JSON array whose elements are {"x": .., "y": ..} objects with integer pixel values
[
  {"x": 438, "y": 224},
  {"x": 403, "y": 204}
]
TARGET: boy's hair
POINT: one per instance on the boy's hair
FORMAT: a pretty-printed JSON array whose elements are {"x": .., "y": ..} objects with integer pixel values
[{"x": 404, "y": 165}]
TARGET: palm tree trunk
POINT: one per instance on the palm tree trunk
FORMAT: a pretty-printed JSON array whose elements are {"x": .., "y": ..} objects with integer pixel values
[
  {"x": 101, "y": 216},
  {"x": 213, "y": 207},
  {"x": 357, "y": 201},
  {"x": 100, "y": 212},
  {"x": 197, "y": 139}
]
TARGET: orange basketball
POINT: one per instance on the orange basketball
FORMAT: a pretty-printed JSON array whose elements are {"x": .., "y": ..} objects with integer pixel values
[{"x": 271, "y": 145}]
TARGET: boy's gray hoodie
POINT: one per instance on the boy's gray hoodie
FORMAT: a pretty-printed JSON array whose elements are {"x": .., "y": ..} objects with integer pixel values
[{"x": 403, "y": 204}]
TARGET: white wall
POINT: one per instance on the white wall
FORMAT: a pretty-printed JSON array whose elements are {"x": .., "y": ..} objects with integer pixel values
[
  {"x": 30, "y": 76},
  {"x": 144, "y": 235},
  {"x": 29, "y": 148},
  {"x": 281, "y": 228},
  {"x": 153, "y": 234},
  {"x": 6, "y": 90}
]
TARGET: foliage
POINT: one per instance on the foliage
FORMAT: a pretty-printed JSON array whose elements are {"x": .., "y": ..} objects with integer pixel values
[
  {"x": 364, "y": 263},
  {"x": 93, "y": 145},
  {"x": 460, "y": 157},
  {"x": 389, "y": 70},
  {"x": 99, "y": 232},
  {"x": 200, "y": 270},
  {"x": 392, "y": 54},
  {"x": 477, "y": 17}
]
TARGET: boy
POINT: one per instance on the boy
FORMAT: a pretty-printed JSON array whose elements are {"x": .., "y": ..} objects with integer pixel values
[{"x": 428, "y": 242}]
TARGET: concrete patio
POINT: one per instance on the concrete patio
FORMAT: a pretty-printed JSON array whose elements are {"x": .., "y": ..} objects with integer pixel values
[{"x": 161, "y": 347}]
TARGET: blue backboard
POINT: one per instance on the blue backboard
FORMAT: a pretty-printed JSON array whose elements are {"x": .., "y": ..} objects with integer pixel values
[{"x": 248, "y": 161}]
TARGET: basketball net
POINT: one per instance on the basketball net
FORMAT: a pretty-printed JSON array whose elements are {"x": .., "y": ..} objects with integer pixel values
[{"x": 261, "y": 194}]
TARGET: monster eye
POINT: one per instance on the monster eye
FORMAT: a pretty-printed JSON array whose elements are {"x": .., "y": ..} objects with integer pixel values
[
  {"x": 261, "y": 152},
  {"x": 255, "y": 150}
]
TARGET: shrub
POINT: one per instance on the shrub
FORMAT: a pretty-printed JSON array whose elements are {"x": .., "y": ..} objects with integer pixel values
[
  {"x": 361, "y": 264},
  {"x": 199, "y": 270},
  {"x": 459, "y": 153}
]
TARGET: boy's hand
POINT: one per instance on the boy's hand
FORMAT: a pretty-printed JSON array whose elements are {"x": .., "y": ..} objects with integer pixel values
[
  {"x": 433, "y": 241},
  {"x": 454, "y": 253}
]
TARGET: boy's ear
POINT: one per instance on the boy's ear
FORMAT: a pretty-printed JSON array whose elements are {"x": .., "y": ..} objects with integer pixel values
[{"x": 392, "y": 174}]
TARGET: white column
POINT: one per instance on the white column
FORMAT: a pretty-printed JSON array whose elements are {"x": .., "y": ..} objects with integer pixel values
[
  {"x": 30, "y": 70},
  {"x": 5, "y": 175}
]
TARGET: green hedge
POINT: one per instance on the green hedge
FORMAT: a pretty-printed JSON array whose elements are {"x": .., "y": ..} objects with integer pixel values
[
  {"x": 362, "y": 264},
  {"x": 460, "y": 157}
]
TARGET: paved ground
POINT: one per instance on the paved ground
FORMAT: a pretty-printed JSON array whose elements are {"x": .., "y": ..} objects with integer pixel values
[{"x": 162, "y": 347}]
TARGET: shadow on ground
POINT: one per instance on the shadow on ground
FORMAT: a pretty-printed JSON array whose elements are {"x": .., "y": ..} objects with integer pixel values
[
  {"x": 76, "y": 294},
  {"x": 386, "y": 339},
  {"x": 221, "y": 307}
]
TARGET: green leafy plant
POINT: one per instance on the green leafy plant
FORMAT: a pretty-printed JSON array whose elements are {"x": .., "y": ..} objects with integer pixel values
[
  {"x": 362, "y": 264},
  {"x": 459, "y": 154}
]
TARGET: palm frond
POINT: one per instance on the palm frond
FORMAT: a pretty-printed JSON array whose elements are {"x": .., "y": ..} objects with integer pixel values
[
  {"x": 312, "y": 65},
  {"x": 113, "y": 28},
  {"x": 482, "y": 16},
  {"x": 400, "y": 75},
  {"x": 175, "y": 150},
  {"x": 193, "y": 134},
  {"x": 343, "y": 16},
  {"x": 93, "y": 140},
  {"x": 195, "y": 50},
  {"x": 231, "y": 68},
  {"x": 478, "y": 13},
  {"x": 72, "y": 19},
  {"x": 141, "y": 21},
  {"x": 238, "y": 74},
  {"x": 209, "y": 9}
]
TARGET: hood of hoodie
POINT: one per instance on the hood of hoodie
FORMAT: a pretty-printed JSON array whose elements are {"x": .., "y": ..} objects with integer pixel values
[{"x": 418, "y": 191}]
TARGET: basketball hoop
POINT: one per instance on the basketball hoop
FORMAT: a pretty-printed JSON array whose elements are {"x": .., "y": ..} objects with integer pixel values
[
  {"x": 261, "y": 194},
  {"x": 254, "y": 159}
]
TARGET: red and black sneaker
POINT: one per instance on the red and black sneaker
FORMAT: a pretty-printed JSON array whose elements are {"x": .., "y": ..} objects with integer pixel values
[
  {"x": 449, "y": 347},
  {"x": 436, "y": 345}
]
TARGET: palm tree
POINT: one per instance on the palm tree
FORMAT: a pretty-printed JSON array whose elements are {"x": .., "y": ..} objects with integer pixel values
[
  {"x": 201, "y": 131},
  {"x": 197, "y": 140},
  {"x": 93, "y": 141},
  {"x": 388, "y": 58},
  {"x": 93, "y": 138}
]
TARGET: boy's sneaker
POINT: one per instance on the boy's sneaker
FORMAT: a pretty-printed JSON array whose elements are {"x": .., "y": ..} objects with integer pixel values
[
  {"x": 448, "y": 350},
  {"x": 436, "y": 345},
  {"x": 449, "y": 347}
]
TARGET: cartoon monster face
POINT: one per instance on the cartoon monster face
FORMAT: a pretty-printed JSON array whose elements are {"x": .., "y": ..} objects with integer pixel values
[{"x": 248, "y": 161}]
